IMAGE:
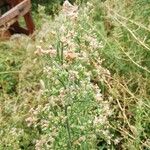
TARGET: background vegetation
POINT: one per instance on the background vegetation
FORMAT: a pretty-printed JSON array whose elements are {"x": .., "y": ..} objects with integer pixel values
[{"x": 82, "y": 81}]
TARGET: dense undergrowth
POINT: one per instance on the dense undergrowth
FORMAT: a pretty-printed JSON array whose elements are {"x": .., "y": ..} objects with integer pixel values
[{"x": 81, "y": 82}]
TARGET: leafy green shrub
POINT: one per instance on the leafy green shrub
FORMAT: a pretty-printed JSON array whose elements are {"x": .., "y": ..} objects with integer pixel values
[{"x": 82, "y": 83}]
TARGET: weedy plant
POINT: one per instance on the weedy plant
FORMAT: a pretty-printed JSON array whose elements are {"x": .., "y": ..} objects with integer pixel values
[{"x": 82, "y": 83}]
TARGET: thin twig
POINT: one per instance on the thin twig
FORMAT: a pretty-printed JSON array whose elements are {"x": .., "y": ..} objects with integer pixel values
[
  {"x": 7, "y": 72},
  {"x": 124, "y": 114},
  {"x": 124, "y": 18},
  {"x": 141, "y": 67},
  {"x": 68, "y": 129},
  {"x": 134, "y": 36}
]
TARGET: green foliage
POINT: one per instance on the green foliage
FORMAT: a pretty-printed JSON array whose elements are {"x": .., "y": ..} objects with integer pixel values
[
  {"x": 52, "y": 6},
  {"x": 83, "y": 82},
  {"x": 9, "y": 66}
]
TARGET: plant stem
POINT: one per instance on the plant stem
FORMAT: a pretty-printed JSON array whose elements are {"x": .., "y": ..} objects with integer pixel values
[{"x": 68, "y": 128}]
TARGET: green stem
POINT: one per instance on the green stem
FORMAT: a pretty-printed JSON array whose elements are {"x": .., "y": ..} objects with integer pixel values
[{"x": 68, "y": 128}]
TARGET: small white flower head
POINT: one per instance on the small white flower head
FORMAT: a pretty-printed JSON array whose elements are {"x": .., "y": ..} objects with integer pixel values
[{"x": 70, "y": 10}]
